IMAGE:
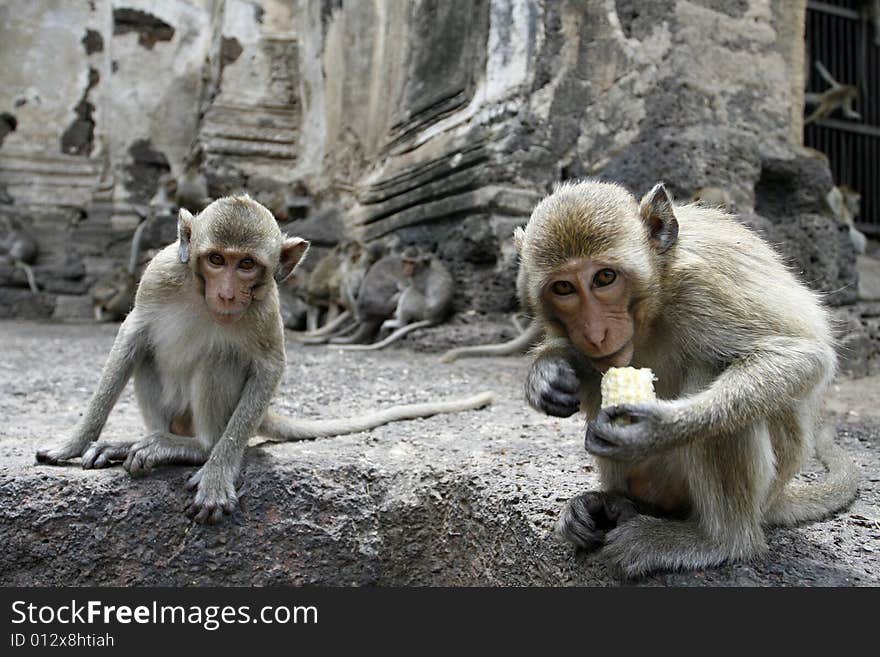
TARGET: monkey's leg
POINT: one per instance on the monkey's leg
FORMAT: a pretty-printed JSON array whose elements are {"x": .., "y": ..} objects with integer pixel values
[
  {"x": 162, "y": 448},
  {"x": 312, "y": 318},
  {"x": 228, "y": 420},
  {"x": 728, "y": 479},
  {"x": 124, "y": 355},
  {"x": 29, "y": 273}
]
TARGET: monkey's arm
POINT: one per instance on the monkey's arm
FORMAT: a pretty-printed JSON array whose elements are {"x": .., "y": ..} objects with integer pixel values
[
  {"x": 215, "y": 481},
  {"x": 128, "y": 349},
  {"x": 751, "y": 388},
  {"x": 559, "y": 382}
]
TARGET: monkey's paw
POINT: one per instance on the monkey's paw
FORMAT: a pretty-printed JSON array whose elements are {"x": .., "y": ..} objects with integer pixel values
[
  {"x": 628, "y": 432},
  {"x": 587, "y": 518},
  {"x": 553, "y": 387},
  {"x": 102, "y": 455},
  {"x": 57, "y": 455},
  {"x": 215, "y": 495}
]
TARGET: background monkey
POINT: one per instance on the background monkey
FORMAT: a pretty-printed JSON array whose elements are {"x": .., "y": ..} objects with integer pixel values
[
  {"x": 839, "y": 96},
  {"x": 205, "y": 345},
  {"x": 425, "y": 297},
  {"x": 113, "y": 295},
  {"x": 528, "y": 336},
  {"x": 376, "y": 299},
  {"x": 21, "y": 248},
  {"x": 742, "y": 353},
  {"x": 354, "y": 262}
]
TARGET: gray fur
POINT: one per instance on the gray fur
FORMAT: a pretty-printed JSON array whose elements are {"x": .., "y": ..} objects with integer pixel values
[
  {"x": 743, "y": 355},
  {"x": 209, "y": 384}
]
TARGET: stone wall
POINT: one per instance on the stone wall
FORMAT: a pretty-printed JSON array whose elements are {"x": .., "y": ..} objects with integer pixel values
[{"x": 437, "y": 122}]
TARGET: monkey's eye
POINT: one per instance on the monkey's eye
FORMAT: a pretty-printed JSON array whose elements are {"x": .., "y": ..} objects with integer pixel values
[
  {"x": 604, "y": 277},
  {"x": 216, "y": 259},
  {"x": 562, "y": 288},
  {"x": 247, "y": 264}
]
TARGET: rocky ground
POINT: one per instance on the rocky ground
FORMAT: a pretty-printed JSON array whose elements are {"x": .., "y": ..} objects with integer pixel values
[{"x": 452, "y": 500}]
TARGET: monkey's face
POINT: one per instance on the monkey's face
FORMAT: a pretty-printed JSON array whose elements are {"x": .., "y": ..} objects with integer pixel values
[
  {"x": 230, "y": 278},
  {"x": 591, "y": 300},
  {"x": 409, "y": 267}
]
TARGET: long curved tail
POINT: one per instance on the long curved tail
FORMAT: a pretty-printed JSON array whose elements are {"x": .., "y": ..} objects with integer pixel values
[
  {"x": 328, "y": 328},
  {"x": 808, "y": 501},
  {"x": 516, "y": 346},
  {"x": 279, "y": 428},
  {"x": 394, "y": 337}
]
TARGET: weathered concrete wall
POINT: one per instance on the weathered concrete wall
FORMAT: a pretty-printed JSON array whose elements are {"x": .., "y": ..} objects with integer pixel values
[{"x": 433, "y": 122}]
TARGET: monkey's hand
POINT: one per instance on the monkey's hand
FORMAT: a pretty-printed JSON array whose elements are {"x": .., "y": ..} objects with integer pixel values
[
  {"x": 215, "y": 494},
  {"x": 628, "y": 432},
  {"x": 56, "y": 455},
  {"x": 588, "y": 517},
  {"x": 553, "y": 387}
]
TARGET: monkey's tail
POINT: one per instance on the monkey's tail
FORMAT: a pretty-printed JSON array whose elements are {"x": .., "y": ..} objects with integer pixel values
[
  {"x": 279, "y": 428},
  {"x": 805, "y": 502},
  {"x": 394, "y": 337},
  {"x": 328, "y": 328},
  {"x": 518, "y": 345}
]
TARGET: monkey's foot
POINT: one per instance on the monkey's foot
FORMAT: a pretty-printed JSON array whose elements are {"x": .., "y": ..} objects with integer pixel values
[
  {"x": 647, "y": 543},
  {"x": 587, "y": 518},
  {"x": 163, "y": 449},
  {"x": 57, "y": 455},
  {"x": 215, "y": 495},
  {"x": 102, "y": 455}
]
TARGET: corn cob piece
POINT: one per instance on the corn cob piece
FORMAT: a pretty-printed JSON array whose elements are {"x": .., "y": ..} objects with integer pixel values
[{"x": 627, "y": 385}]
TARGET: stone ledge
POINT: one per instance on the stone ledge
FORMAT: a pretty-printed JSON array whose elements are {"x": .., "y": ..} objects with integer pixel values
[{"x": 465, "y": 499}]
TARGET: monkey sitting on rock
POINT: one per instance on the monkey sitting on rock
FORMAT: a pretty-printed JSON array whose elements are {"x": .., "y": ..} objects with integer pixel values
[
  {"x": 20, "y": 247},
  {"x": 205, "y": 346},
  {"x": 742, "y": 352},
  {"x": 424, "y": 298}
]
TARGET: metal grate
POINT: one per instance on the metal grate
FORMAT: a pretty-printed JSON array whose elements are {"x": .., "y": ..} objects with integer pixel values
[{"x": 841, "y": 37}]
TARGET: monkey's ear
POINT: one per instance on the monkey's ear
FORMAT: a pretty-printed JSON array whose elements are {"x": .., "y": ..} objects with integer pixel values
[
  {"x": 184, "y": 233},
  {"x": 658, "y": 215},
  {"x": 292, "y": 251},
  {"x": 519, "y": 237}
]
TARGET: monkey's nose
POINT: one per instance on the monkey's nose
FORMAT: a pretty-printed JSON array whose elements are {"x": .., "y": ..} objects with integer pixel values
[{"x": 596, "y": 336}]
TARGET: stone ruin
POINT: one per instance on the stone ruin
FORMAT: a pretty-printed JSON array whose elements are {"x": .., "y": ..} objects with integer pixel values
[{"x": 439, "y": 123}]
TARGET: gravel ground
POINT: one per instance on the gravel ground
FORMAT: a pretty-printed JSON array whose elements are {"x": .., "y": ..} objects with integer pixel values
[{"x": 455, "y": 499}]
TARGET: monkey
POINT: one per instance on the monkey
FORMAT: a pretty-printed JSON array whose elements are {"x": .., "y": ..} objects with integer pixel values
[
  {"x": 425, "y": 298},
  {"x": 354, "y": 262},
  {"x": 377, "y": 299},
  {"x": 839, "y": 96},
  {"x": 714, "y": 197},
  {"x": 191, "y": 191},
  {"x": 322, "y": 290},
  {"x": 20, "y": 247},
  {"x": 528, "y": 336},
  {"x": 844, "y": 201},
  {"x": 205, "y": 346},
  {"x": 113, "y": 295},
  {"x": 742, "y": 354}
]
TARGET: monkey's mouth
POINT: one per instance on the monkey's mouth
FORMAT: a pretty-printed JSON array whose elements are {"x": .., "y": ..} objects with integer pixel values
[
  {"x": 619, "y": 358},
  {"x": 226, "y": 317}
]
